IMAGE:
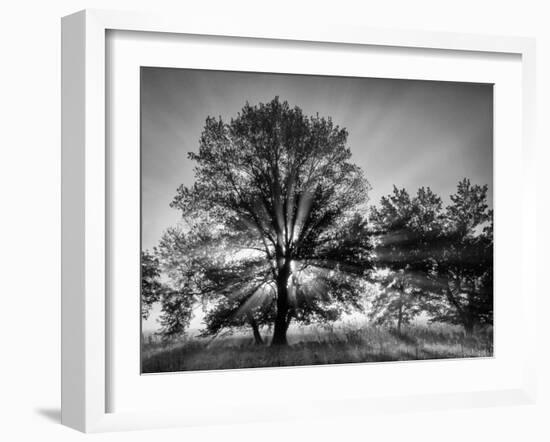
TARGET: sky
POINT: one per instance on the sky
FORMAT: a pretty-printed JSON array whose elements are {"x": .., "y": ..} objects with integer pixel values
[{"x": 407, "y": 133}]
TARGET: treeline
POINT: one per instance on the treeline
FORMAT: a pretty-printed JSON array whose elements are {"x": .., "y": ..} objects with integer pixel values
[
  {"x": 434, "y": 260},
  {"x": 425, "y": 259}
]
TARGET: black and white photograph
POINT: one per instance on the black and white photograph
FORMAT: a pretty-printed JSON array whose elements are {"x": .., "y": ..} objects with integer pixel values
[{"x": 298, "y": 220}]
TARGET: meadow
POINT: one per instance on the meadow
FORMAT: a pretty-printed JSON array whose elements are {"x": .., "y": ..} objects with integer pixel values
[{"x": 310, "y": 345}]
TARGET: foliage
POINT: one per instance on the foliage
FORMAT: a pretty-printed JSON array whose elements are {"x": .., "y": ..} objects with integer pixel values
[
  {"x": 275, "y": 218},
  {"x": 408, "y": 235},
  {"x": 436, "y": 260},
  {"x": 396, "y": 300},
  {"x": 177, "y": 311},
  {"x": 176, "y": 305},
  {"x": 463, "y": 272},
  {"x": 151, "y": 288}
]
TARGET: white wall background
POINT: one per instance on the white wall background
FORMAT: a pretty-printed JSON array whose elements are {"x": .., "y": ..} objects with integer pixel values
[{"x": 30, "y": 216}]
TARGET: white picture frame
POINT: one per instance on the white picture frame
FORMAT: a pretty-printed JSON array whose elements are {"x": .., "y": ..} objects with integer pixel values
[{"x": 86, "y": 202}]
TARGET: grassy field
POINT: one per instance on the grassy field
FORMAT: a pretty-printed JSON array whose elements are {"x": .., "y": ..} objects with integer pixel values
[{"x": 313, "y": 346}]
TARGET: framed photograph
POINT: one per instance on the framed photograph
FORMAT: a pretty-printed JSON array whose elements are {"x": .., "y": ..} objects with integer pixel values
[{"x": 254, "y": 211}]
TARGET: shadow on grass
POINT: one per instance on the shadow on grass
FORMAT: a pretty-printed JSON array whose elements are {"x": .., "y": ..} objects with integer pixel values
[
  {"x": 315, "y": 347},
  {"x": 403, "y": 337}
]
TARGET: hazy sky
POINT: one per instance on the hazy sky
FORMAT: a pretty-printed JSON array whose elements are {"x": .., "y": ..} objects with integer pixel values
[{"x": 404, "y": 132}]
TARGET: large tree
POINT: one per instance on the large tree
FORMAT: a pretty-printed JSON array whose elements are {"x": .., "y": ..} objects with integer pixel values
[{"x": 283, "y": 204}]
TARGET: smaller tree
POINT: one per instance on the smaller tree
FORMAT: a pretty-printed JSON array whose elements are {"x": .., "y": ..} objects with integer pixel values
[
  {"x": 397, "y": 300},
  {"x": 151, "y": 287},
  {"x": 176, "y": 313},
  {"x": 176, "y": 308},
  {"x": 407, "y": 229},
  {"x": 463, "y": 271}
]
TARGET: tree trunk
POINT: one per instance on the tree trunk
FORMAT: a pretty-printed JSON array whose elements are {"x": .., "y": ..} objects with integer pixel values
[
  {"x": 257, "y": 336},
  {"x": 469, "y": 328},
  {"x": 469, "y": 318},
  {"x": 281, "y": 320},
  {"x": 399, "y": 319}
]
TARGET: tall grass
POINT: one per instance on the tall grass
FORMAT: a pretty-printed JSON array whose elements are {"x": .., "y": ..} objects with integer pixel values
[{"x": 348, "y": 343}]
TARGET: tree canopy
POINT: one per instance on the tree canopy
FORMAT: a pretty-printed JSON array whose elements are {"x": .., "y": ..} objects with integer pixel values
[{"x": 281, "y": 206}]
